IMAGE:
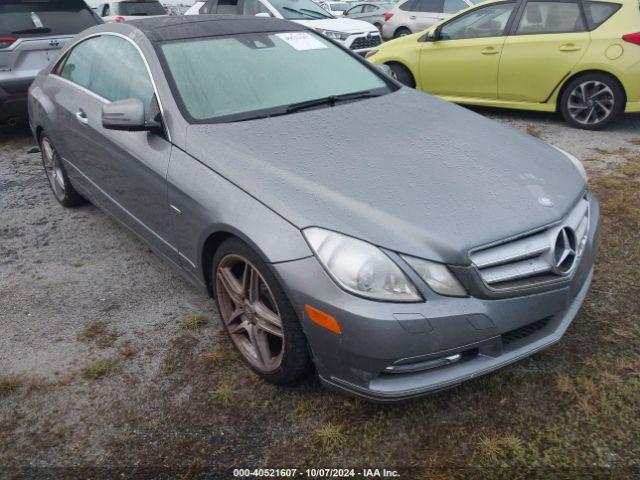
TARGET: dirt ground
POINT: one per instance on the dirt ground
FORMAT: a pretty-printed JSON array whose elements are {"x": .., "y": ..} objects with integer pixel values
[{"x": 110, "y": 363}]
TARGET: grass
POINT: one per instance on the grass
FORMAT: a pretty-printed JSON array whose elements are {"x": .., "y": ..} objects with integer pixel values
[
  {"x": 331, "y": 437},
  {"x": 224, "y": 393},
  {"x": 97, "y": 331},
  {"x": 192, "y": 322},
  {"x": 97, "y": 369},
  {"x": 9, "y": 385},
  {"x": 534, "y": 131}
]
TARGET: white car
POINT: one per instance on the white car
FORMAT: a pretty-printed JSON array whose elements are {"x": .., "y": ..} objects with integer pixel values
[
  {"x": 357, "y": 35},
  {"x": 122, "y": 11}
]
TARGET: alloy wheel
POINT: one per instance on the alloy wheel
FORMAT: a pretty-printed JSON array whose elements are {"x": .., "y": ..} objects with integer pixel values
[
  {"x": 53, "y": 169},
  {"x": 591, "y": 102},
  {"x": 249, "y": 311}
]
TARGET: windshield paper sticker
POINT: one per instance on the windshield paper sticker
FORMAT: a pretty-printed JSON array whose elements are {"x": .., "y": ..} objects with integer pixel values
[{"x": 301, "y": 40}]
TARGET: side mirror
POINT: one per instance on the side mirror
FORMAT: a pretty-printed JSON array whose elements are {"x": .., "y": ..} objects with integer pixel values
[
  {"x": 433, "y": 35},
  {"x": 126, "y": 115},
  {"x": 345, "y": 13}
]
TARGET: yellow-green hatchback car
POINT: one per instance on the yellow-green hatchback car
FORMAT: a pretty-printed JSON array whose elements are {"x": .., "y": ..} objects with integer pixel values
[{"x": 580, "y": 57}]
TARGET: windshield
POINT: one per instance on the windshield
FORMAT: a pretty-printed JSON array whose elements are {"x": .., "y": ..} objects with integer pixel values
[
  {"x": 299, "y": 10},
  {"x": 259, "y": 74},
  {"x": 135, "y": 9},
  {"x": 44, "y": 17}
]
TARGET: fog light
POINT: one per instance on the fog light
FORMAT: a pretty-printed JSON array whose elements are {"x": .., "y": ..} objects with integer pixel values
[{"x": 419, "y": 366}]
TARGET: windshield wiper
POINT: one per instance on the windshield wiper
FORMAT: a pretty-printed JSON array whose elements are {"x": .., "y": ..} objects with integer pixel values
[
  {"x": 32, "y": 30},
  {"x": 318, "y": 13},
  {"x": 330, "y": 100},
  {"x": 302, "y": 13}
]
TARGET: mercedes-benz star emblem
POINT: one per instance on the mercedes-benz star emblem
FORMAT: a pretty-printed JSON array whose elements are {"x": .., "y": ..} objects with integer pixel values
[{"x": 564, "y": 251}]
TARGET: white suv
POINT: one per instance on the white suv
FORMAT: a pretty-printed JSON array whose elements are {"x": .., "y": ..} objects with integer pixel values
[{"x": 357, "y": 35}]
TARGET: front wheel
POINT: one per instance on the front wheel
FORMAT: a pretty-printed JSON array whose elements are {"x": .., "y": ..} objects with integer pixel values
[
  {"x": 592, "y": 101},
  {"x": 257, "y": 315},
  {"x": 402, "y": 74}
]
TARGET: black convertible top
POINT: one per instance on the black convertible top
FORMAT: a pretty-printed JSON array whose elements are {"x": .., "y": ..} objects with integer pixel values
[{"x": 162, "y": 29}]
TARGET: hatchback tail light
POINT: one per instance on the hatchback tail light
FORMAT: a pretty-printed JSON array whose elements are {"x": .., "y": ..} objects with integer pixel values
[
  {"x": 387, "y": 16},
  {"x": 632, "y": 38},
  {"x": 119, "y": 19},
  {"x": 6, "y": 42}
]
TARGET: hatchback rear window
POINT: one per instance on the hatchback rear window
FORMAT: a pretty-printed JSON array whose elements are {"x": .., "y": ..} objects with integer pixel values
[
  {"x": 45, "y": 17},
  {"x": 599, "y": 12},
  {"x": 141, "y": 9}
]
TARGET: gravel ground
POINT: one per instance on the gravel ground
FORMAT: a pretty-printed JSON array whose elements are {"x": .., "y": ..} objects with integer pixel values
[{"x": 100, "y": 364}]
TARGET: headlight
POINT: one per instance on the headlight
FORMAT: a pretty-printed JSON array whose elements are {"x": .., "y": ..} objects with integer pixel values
[
  {"x": 360, "y": 268},
  {"x": 577, "y": 163},
  {"x": 340, "y": 36},
  {"x": 438, "y": 277}
]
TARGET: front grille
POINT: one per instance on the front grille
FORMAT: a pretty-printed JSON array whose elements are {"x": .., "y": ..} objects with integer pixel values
[
  {"x": 366, "y": 42},
  {"x": 523, "y": 332},
  {"x": 534, "y": 258}
]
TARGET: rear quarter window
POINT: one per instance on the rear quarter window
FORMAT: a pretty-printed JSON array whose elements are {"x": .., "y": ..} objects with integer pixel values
[
  {"x": 599, "y": 12},
  {"x": 45, "y": 17}
]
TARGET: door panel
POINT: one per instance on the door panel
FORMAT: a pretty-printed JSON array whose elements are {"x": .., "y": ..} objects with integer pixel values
[
  {"x": 464, "y": 58},
  {"x": 124, "y": 172},
  {"x": 549, "y": 41},
  {"x": 466, "y": 68},
  {"x": 532, "y": 65}
]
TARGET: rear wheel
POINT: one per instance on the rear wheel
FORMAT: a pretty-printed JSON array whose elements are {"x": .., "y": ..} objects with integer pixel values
[
  {"x": 402, "y": 74},
  {"x": 592, "y": 101},
  {"x": 257, "y": 315},
  {"x": 401, "y": 32},
  {"x": 59, "y": 182}
]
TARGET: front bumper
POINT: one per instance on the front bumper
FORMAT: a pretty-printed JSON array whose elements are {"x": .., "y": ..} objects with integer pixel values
[
  {"x": 13, "y": 99},
  {"x": 487, "y": 333}
]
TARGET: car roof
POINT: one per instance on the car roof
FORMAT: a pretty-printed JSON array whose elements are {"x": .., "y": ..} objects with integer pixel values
[{"x": 168, "y": 28}]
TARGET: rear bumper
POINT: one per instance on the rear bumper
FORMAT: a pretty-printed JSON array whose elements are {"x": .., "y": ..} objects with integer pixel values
[
  {"x": 487, "y": 333},
  {"x": 13, "y": 99}
]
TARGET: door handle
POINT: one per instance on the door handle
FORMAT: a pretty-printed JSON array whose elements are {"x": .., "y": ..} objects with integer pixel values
[
  {"x": 413, "y": 17},
  {"x": 569, "y": 47},
  {"x": 489, "y": 51},
  {"x": 81, "y": 116}
]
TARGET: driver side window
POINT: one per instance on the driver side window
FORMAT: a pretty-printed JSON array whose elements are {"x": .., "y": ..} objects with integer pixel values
[{"x": 489, "y": 21}]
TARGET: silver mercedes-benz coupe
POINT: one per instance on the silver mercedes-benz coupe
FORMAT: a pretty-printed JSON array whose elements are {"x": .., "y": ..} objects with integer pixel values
[{"x": 328, "y": 209}]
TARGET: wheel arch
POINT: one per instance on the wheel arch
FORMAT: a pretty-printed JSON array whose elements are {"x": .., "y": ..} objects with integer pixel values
[
  {"x": 575, "y": 75},
  {"x": 404, "y": 65},
  {"x": 216, "y": 237}
]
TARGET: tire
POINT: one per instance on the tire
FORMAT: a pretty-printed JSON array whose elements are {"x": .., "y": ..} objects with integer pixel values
[
  {"x": 401, "y": 32},
  {"x": 59, "y": 182},
  {"x": 402, "y": 74},
  {"x": 378, "y": 26},
  {"x": 592, "y": 101},
  {"x": 277, "y": 359}
]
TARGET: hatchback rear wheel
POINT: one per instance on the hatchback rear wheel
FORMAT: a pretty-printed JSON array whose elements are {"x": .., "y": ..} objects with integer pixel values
[
  {"x": 59, "y": 182},
  {"x": 592, "y": 101},
  {"x": 257, "y": 315}
]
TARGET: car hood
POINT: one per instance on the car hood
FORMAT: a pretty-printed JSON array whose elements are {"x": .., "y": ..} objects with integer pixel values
[
  {"x": 347, "y": 25},
  {"x": 404, "y": 171}
]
